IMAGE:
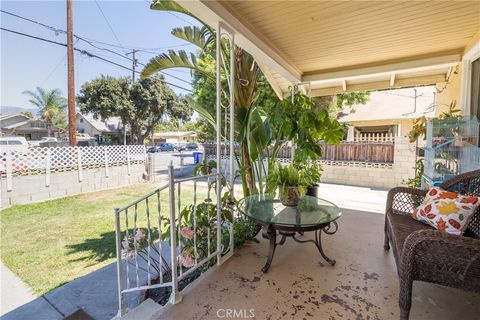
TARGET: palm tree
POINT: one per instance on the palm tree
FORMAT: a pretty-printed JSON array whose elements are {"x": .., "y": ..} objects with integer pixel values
[
  {"x": 51, "y": 106},
  {"x": 250, "y": 126}
]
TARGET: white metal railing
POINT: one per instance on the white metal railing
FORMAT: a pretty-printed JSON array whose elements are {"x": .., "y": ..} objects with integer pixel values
[
  {"x": 158, "y": 248},
  {"x": 374, "y": 137},
  {"x": 48, "y": 160}
]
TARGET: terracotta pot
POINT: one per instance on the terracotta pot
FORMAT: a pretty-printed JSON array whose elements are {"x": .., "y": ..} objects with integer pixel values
[{"x": 289, "y": 196}]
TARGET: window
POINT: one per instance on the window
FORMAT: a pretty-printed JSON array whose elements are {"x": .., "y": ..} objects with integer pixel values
[
  {"x": 37, "y": 124},
  {"x": 81, "y": 120}
]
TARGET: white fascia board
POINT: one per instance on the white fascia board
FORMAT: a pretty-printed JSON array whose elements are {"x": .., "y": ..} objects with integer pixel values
[
  {"x": 271, "y": 79},
  {"x": 386, "y": 69},
  {"x": 212, "y": 12}
]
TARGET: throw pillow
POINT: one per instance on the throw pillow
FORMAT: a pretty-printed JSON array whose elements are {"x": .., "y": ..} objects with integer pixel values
[{"x": 446, "y": 211}]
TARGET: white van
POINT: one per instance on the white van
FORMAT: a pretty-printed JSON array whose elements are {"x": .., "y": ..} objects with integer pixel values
[{"x": 17, "y": 144}]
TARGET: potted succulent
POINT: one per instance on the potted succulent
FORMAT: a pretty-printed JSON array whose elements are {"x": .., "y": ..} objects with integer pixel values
[
  {"x": 312, "y": 173},
  {"x": 290, "y": 181}
]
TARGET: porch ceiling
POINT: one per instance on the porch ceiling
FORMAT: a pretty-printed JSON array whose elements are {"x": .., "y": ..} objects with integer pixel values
[{"x": 348, "y": 45}]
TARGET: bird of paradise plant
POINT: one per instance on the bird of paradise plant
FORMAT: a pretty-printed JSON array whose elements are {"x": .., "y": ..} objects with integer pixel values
[{"x": 250, "y": 131}]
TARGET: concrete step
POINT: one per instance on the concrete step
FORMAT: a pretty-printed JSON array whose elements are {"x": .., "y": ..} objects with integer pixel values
[{"x": 145, "y": 311}]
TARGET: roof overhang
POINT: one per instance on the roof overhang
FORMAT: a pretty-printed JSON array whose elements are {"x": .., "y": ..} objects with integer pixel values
[{"x": 412, "y": 52}]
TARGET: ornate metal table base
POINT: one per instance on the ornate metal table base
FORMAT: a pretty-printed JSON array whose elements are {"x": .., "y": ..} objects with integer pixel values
[{"x": 270, "y": 232}]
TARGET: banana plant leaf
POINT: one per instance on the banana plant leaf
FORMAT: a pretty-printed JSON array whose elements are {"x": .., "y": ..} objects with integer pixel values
[
  {"x": 169, "y": 5},
  {"x": 201, "y": 37},
  {"x": 173, "y": 59}
]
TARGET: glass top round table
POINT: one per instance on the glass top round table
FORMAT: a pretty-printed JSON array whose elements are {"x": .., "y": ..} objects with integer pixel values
[{"x": 311, "y": 214}]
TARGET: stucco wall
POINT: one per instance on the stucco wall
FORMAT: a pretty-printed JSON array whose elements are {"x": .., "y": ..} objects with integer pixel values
[
  {"x": 448, "y": 92},
  {"x": 30, "y": 189}
]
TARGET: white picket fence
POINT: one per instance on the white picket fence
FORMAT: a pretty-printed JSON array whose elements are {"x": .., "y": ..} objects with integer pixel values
[{"x": 45, "y": 161}]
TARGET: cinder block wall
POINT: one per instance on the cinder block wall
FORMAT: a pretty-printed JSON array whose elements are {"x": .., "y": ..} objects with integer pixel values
[
  {"x": 30, "y": 189},
  {"x": 376, "y": 176}
]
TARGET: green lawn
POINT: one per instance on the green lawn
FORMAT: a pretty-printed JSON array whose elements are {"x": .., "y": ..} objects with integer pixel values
[{"x": 50, "y": 243}]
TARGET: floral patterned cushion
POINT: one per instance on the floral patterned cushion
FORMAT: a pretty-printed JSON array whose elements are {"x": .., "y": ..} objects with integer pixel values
[{"x": 446, "y": 211}]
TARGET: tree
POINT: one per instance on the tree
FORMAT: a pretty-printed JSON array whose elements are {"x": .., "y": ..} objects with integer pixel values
[
  {"x": 51, "y": 106},
  {"x": 202, "y": 128},
  {"x": 141, "y": 105}
]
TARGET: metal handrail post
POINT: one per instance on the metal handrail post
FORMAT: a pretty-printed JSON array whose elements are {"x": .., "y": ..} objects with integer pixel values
[
  {"x": 232, "y": 128},
  {"x": 175, "y": 296},
  {"x": 118, "y": 236}
]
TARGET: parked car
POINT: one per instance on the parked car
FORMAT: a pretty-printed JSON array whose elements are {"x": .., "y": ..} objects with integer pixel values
[
  {"x": 40, "y": 143},
  {"x": 166, "y": 147},
  {"x": 191, "y": 146},
  {"x": 180, "y": 147},
  {"x": 152, "y": 149},
  {"x": 17, "y": 144}
]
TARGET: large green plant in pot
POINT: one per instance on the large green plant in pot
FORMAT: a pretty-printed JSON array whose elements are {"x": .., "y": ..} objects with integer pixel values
[{"x": 289, "y": 180}]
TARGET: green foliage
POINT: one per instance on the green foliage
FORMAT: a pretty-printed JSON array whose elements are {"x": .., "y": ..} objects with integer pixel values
[
  {"x": 416, "y": 181},
  {"x": 285, "y": 176},
  {"x": 140, "y": 105},
  {"x": 335, "y": 104},
  {"x": 348, "y": 99},
  {"x": 244, "y": 230},
  {"x": 204, "y": 131},
  {"x": 419, "y": 129},
  {"x": 251, "y": 128},
  {"x": 201, "y": 220},
  {"x": 298, "y": 120},
  {"x": 312, "y": 173},
  {"x": 420, "y": 124},
  {"x": 51, "y": 106}
]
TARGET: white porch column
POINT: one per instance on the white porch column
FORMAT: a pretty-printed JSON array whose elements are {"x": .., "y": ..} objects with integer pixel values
[
  {"x": 350, "y": 133},
  {"x": 219, "y": 140}
]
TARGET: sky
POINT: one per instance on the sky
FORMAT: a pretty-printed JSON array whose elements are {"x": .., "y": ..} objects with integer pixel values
[{"x": 28, "y": 63}]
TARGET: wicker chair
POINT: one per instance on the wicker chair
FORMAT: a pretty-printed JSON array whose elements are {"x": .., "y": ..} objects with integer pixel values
[{"x": 423, "y": 253}]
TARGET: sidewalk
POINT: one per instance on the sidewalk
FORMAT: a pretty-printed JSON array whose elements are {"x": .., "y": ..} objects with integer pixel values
[{"x": 14, "y": 292}]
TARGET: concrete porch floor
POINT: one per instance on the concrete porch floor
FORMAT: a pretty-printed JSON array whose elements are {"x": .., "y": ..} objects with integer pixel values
[{"x": 362, "y": 285}]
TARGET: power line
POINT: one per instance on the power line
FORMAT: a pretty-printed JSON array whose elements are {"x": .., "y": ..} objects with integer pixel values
[
  {"x": 58, "y": 30},
  {"x": 85, "y": 52},
  {"x": 89, "y": 40},
  {"x": 109, "y": 25},
  {"x": 54, "y": 69}
]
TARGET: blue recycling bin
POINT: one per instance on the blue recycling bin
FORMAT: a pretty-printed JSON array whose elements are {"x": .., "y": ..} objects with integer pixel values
[{"x": 196, "y": 157}]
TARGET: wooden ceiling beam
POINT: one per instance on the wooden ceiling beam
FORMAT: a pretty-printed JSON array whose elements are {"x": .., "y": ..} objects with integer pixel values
[{"x": 379, "y": 85}]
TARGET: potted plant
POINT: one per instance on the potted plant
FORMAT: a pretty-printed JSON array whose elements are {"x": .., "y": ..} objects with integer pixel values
[
  {"x": 312, "y": 173},
  {"x": 290, "y": 181}
]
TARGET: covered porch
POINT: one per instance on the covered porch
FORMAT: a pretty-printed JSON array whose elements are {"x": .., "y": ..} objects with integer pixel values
[
  {"x": 327, "y": 48},
  {"x": 363, "y": 284}
]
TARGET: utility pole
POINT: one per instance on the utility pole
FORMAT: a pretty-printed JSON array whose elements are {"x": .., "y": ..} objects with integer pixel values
[
  {"x": 134, "y": 64},
  {"x": 72, "y": 121}
]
